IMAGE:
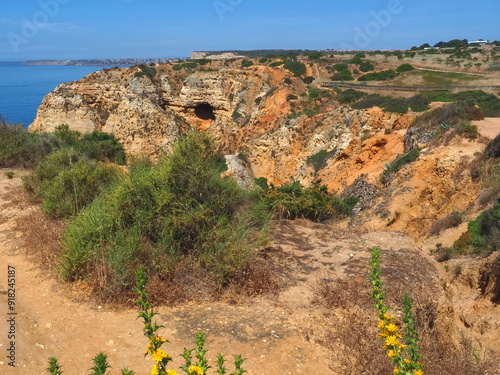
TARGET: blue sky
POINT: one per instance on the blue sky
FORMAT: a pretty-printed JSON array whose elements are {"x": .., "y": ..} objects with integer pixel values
[{"x": 74, "y": 29}]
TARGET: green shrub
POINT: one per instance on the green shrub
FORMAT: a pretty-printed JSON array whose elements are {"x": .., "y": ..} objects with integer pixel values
[
  {"x": 291, "y": 97},
  {"x": 9, "y": 175},
  {"x": 483, "y": 233},
  {"x": 146, "y": 70},
  {"x": 263, "y": 60},
  {"x": 66, "y": 181},
  {"x": 343, "y": 75},
  {"x": 315, "y": 55},
  {"x": 19, "y": 148},
  {"x": 246, "y": 63},
  {"x": 340, "y": 67},
  {"x": 370, "y": 101},
  {"x": 296, "y": 67},
  {"x": 366, "y": 66},
  {"x": 292, "y": 201},
  {"x": 493, "y": 148},
  {"x": 319, "y": 160},
  {"x": 350, "y": 96},
  {"x": 277, "y": 63},
  {"x": 380, "y": 76},
  {"x": 163, "y": 216},
  {"x": 357, "y": 59},
  {"x": 489, "y": 103},
  {"x": 405, "y": 68},
  {"x": 177, "y": 67},
  {"x": 466, "y": 129},
  {"x": 398, "y": 163},
  {"x": 308, "y": 80}
]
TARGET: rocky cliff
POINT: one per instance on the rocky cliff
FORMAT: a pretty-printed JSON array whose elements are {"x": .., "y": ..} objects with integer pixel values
[
  {"x": 268, "y": 118},
  {"x": 254, "y": 111}
]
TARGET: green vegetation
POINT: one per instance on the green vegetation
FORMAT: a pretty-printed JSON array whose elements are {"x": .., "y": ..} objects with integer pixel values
[
  {"x": 18, "y": 148},
  {"x": 71, "y": 177},
  {"x": 263, "y": 60},
  {"x": 417, "y": 103},
  {"x": 146, "y": 71},
  {"x": 483, "y": 233},
  {"x": 366, "y": 66},
  {"x": 292, "y": 201},
  {"x": 277, "y": 63},
  {"x": 308, "y": 80},
  {"x": 296, "y": 67},
  {"x": 177, "y": 212},
  {"x": 340, "y": 67},
  {"x": 343, "y": 75},
  {"x": 380, "y": 76},
  {"x": 319, "y": 160},
  {"x": 187, "y": 65},
  {"x": 493, "y": 148},
  {"x": 246, "y": 63},
  {"x": 315, "y": 55},
  {"x": 404, "y": 68},
  {"x": 489, "y": 103},
  {"x": 350, "y": 96}
]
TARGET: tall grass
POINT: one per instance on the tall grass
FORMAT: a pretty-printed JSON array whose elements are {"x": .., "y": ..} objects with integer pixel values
[{"x": 178, "y": 212}]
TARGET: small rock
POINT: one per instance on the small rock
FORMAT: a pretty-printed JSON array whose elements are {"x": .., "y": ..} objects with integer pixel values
[
  {"x": 110, "y": 343},
  {"x": 48, "y": 325}
]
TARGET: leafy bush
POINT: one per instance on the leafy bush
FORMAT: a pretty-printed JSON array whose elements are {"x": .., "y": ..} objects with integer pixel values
[
  {"x": 350, "y": 96},
  {"x": 162, "y": 216},
  {"x": 417, "y": 103},
  {"x": 277, "y": 63},
  {"x": 340, "y": 67},
  {"x": 489, "y": 103},
  {"x": 466, "y": 129},
  {"x": 483, "y": 233},
  {"x": 370, "y": 101},
  {"x": 357, "y": 59},
  {"x": 308, "y": 80},
  {"x": 246, "y": 63},
  {"x": 292, "y": 201},
  {"x": 315, "y": 55},
  {"x": 380, "y": 76},
  {"x": 18, "y": 148},
  {"x": 263, "y": 60},
  {"x": 296, "y": 67},
  {"x": 366, "y": 66},
  {"x": 343, "y": 75},
  {"x": 493, "y": 148},
  {"x": 146, "y": 71},
  {"x": 319, "y": 160},
  {"x": 66, "y": 181},
  {"x": 405, "y": 68}
]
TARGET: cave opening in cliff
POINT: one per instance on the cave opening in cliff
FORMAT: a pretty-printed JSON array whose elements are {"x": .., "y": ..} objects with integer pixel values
[{"x": 204, "y": 111}]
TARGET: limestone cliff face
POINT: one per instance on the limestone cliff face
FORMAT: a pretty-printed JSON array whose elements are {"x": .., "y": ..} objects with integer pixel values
[{"x": 248, "y": 110}]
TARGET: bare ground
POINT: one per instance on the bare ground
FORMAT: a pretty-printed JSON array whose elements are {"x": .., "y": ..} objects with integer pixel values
[{"x": 321, "y": 321}]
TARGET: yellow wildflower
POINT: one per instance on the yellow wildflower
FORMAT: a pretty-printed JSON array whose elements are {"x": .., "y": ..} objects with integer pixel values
[
  {"x": 159, "y": 355},
  {"x": 172, "y": 372},
  {"x": 381, "y": 325},
  {"x": 382, "y": 334},
  {"x": 150, "y": 349},
  {"x": 161, "y": 339},
  {"x": 402, "y": 347},
  {"x": 155, "y": 370},
  {"x": 388, "y": 317},
  {"x": 407, "y": 360},
  {"x": 391, "y": 341},
  {"x": 196, "y": 370},
  {"x": 391, "y": 354},
  {"x": 419, "y": 372},
  {"x": 391, "y": 328},
  {"x": 396, "y": 370}
]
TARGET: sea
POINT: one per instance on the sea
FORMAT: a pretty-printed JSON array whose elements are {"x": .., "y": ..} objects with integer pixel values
[{"x": 23, "y": 87}]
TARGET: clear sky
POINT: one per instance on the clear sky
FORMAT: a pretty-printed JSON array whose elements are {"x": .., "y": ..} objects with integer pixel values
[{"x": 78, "y": 29}]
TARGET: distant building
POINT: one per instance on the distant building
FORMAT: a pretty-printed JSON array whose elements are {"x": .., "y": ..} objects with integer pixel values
[{"x": 479, "y": 42}]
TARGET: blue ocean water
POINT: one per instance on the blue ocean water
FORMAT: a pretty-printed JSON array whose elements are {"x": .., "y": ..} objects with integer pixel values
[{"x": 22, "y": 87}]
